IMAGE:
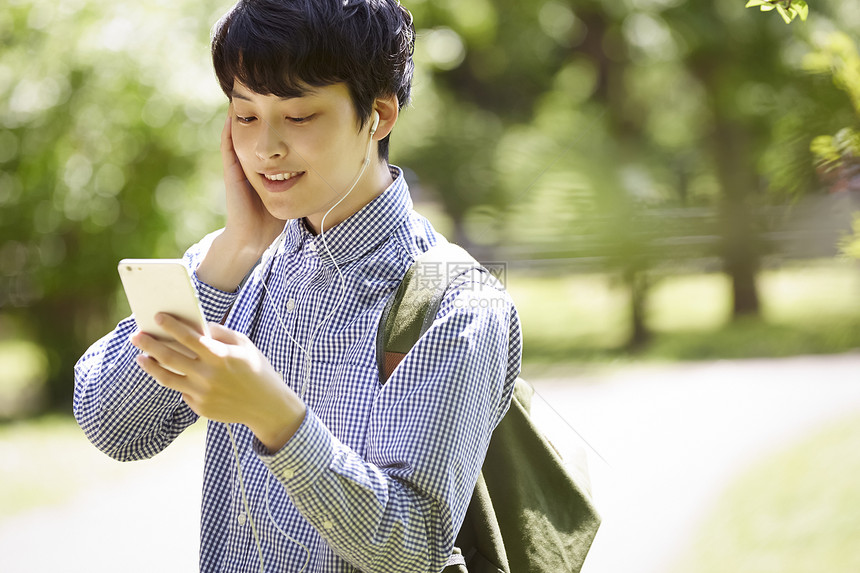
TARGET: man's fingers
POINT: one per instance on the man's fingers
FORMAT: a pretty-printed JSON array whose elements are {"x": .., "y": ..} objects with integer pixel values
[
  {"x": 228, "y": 151},
  {"x": 206, "y": 348},
  {"x": 162, "y": 375},
  {"x": 224, "y": 334},
  {"x": 227, "y": 132},
  {"x": 219, "y": 342},
  {"x": 182, "y": 332},
  {"x": 171, "y": 354}
]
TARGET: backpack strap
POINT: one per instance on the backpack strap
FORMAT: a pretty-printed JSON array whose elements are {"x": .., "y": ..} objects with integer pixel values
[
  {"x": 542, "y": 520},
  {"x": 412, "y": 309}
]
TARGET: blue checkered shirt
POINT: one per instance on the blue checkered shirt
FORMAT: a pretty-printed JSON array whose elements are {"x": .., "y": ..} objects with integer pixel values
[{"x": 378, "y": 477}]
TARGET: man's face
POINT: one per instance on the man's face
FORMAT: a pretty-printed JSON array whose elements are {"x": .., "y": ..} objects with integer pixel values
[{"x": 301, "y": 154}]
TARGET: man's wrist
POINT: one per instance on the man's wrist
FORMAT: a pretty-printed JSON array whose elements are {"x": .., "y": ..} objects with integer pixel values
[
  {"x": 280, "y": 422},
  {"x": 227, "y": 262}
]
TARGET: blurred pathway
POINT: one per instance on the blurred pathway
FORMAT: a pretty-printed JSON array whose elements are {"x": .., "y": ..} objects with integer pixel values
[
  {"x": 144, "y": 518},
  {"x": 675, "y": 436}
]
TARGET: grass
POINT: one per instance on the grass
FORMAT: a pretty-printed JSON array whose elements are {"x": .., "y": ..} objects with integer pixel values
[
  {"x": 23, "y": 366},
  {"x": 48, "y": 460},
  {"x": 580, "y": 315},
  {"x": 796, "y": 512},
  {"x": 32, "y": 452},
  {"x": 811, "y": 309}
]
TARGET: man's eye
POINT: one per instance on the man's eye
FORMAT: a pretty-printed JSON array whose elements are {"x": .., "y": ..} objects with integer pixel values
[{"x": 300, "y": 119}]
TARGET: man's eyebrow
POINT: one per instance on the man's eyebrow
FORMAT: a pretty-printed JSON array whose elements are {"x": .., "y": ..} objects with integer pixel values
[
  {"x": 236, "y": 95},
  {"x": 304, "y": 93}
]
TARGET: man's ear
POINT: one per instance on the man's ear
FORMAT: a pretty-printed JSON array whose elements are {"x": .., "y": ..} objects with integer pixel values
[{"x": 388, "y": 110}]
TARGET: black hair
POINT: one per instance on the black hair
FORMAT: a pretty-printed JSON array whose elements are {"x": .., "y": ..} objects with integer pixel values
[{"x": 279, "y": 47}]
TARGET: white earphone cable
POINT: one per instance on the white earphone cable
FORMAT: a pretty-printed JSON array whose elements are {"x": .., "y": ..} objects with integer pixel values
[
  {"x": 245, "y": 499},
  {"x": 340, "y": 298}
]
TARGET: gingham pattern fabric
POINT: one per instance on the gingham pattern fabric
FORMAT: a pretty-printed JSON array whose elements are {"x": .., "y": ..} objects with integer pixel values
[{"x": 378, "y": 477}]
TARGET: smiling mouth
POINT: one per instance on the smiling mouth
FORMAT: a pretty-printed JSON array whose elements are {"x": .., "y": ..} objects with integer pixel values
[{"x": 281, "y": 176}]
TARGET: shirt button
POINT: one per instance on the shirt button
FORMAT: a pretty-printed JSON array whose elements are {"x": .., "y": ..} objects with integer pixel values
[
  {"x": 291, "y": 305},
  {"x": 288, "y": 474},
  {"x": 312, "y": 246},
  {"x": 242, "y": 518},
  {"x": 327, "y": 524}
]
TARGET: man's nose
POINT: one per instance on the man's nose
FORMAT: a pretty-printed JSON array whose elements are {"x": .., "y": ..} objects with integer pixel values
[{"x": 270, "y": 144}]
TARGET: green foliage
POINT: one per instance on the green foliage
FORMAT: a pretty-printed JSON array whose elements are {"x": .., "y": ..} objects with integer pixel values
[
  {"x": 836, "y": 54},
  {"x": 106, "y": 134},
  {"x": 472, "y": 91},
  {"x": 851, "y": 244},
  {"x": 834, "y": 153},
  {"x": 788, "y": 9},
  {"x": 838, "y": 156}
]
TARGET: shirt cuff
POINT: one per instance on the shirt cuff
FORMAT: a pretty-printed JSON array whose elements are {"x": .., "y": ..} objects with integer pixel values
[
  {"x": 304, "y": 458},
  {"x": 215, "y": 302}
]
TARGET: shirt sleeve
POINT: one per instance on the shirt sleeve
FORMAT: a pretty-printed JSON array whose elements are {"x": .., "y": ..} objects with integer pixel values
[
  {"x": 399, "y": 507},
  {"x": 123, "y": 411}
]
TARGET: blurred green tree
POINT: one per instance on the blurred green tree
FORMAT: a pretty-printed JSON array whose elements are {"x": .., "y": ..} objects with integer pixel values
[
  {"x": 104, "y": 132},
  {"x": 481, "y": 66},
  {"x": 725, "y": 114},
  {"x": 835, "y": 54},
  {"x": 838, "y": 155},
  {"x": 579, "y": 118},
  {"x": 598, "y": 131},
  {"x": 504, "y": 88}
]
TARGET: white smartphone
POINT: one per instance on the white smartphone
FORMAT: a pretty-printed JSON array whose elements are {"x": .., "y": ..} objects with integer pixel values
[{"x": 160, "y": 285}]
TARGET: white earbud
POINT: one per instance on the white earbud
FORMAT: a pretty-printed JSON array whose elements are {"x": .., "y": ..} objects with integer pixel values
[{"x": 375, "y": 123}]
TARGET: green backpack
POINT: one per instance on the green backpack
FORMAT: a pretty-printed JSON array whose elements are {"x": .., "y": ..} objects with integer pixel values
[{"x": 527, "y": 513}]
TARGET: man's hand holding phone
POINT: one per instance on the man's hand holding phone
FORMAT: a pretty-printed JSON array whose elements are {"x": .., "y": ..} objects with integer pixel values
[
  {"x": 220, "y": 373},
  {"x": 228, "y": 379}
]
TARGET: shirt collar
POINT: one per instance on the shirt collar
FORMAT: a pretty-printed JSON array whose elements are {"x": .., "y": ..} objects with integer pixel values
[{"x": 362, "y": 231}]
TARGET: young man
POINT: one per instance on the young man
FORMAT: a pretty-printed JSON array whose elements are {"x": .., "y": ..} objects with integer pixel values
[{"x": 311, "y": 463}]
